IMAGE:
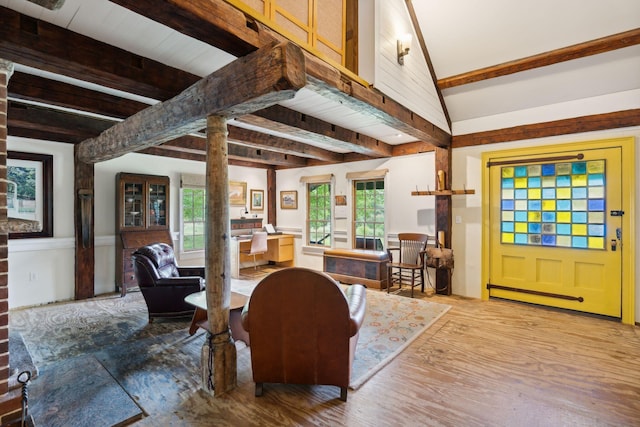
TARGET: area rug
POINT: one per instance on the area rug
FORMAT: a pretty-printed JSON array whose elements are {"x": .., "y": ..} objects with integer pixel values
[
  {"x": 391, "y": 324},
  {"x": 158, "y": 364}
]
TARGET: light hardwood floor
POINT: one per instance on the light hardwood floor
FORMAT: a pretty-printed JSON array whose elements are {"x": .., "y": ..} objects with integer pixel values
[{"x": 494, "y": 363}]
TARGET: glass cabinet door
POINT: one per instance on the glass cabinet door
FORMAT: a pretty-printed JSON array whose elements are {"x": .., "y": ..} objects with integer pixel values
[
  {"x": 133, "y": 204},
  {"x": 158, "y": 194}
]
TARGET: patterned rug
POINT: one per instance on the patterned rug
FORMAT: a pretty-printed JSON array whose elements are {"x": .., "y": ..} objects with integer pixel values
[{"x": 158, "y": 364}]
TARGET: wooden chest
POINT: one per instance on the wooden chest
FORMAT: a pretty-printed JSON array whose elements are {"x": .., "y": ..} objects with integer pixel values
[{"x": 367, "y": 267}]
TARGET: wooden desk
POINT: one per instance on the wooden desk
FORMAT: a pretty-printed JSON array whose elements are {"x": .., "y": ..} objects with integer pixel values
[
  {"x": 279, "y": 251},
  {"x": 200, "y": 318}
]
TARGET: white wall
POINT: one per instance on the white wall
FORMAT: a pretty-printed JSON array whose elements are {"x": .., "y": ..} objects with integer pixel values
[{"x": 409, "y": 84}]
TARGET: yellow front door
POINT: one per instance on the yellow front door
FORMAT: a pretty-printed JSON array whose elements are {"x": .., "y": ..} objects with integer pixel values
[{"x": 555, "y": 227}]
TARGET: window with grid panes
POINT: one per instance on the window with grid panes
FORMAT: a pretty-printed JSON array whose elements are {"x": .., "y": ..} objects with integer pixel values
[
  {"x": 368, "y": 214},
  {"x": 193, "y": 219},
  {"x": 319, "y": 214}
]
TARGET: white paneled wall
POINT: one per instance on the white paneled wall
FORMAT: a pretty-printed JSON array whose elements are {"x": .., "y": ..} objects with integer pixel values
[{"x": 409, "y": 84}]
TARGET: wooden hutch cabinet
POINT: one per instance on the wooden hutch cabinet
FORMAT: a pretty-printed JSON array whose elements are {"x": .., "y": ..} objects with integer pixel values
[{"x": 142, "y": 218}]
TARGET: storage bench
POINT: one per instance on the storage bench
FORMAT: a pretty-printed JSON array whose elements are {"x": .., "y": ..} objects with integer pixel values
[{"x": 367, "y": 267}]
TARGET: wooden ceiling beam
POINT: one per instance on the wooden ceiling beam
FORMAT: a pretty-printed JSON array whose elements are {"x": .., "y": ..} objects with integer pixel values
[
  {"x": 247, "y": 84},
  {"x": 29, "y": 87},
  {"x": 281, "y": 145},
  {"x": 580, "y": 50},
  {"x": 290, "y": 122},
  {"x": 38, "y": 44},
  {"x": 42, "y": 123},
  {"x": 596, "y": 122},
  {"x": 197, "y": 147}
]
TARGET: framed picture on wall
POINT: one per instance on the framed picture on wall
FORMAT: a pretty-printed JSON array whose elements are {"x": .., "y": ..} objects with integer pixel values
[
  {"x": 289, "y": 199},
  {"x": 257, "y": 200},
  {"x": 29, "y": 195},
  {"x": 237, "y": 193}
]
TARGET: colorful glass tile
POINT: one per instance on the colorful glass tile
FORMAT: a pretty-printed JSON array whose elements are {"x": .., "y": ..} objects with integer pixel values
[
  {"x": 521, "y": 239},
  {"x": 578, "y": 168},
  {"x": 534, "y": 170},
  {"x": 534, "y": 182},
  {"x": 595, "y": 166},
  {"x": 579, "y": 229},
  {"x": 548, "y": 205},
  {"x": 596, "y": 205},
  {"x": 548, "y": 170},
  {"x": 521, "y": 205},
  {"x": 521, "y": 182},
  {"x": 579, "y": 217},
  {"x": 520, "y": 171},
  {"x": 554, "y": 204},
  {"x": 579, "y": 205},
  {"x": 579, "y": 242},
  {"x": 579, "y": 180},
  {"x": 579, "y": 193},
  {"x": 596, "y": 192},
  {"x": 549, "y": 193},
  {"x": 596, "y": 242},
  {"x": 535, "y": 193}
]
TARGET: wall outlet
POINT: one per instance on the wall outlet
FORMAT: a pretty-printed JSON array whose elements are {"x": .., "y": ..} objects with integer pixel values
[
  {"x": 33, "y": 276},
  {"x": 458, "y": 219}
]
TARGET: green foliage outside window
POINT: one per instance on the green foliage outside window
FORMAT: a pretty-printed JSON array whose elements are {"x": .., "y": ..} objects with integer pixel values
[
  {"x": 319, "y": 214},
  {"x": 193, "y": 219},
  {"x": 368, "y": 217}
]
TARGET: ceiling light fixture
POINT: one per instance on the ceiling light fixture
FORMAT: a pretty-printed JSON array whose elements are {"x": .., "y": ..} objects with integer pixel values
[{"x": 404, "y": 45}]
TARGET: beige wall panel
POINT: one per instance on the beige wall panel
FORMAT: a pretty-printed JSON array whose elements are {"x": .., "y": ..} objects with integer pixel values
[
  {"x": 330, "y": 53},
  {"x": 257, "y": 5},
  {"x": 330, "y": 21},
  {"x": 292, "y": 28},
  {"x": 299, "y": 9}
]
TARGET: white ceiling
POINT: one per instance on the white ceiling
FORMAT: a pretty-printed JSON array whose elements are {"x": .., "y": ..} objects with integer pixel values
[{"x": 461, "y": 36}]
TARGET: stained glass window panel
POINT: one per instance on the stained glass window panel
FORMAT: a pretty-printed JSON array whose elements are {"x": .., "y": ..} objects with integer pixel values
[{"x": 554, "y": 204}]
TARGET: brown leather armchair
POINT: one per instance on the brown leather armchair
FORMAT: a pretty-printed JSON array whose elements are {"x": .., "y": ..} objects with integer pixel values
[
  {"x": 163, "y": 284},
  {"x": 303, "y": 329}
]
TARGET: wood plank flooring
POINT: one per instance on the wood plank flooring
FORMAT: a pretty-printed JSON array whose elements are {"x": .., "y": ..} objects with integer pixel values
[{"x": 495, "y": 363}]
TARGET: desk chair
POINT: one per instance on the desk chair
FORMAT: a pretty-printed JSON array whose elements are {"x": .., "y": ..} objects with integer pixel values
[
  {"x": 258, "y": 246},
  {"x": 408, "y": 261}
]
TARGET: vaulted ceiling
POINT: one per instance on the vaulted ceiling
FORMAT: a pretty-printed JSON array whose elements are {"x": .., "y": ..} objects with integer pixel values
[{"x": 92, "y": 63}]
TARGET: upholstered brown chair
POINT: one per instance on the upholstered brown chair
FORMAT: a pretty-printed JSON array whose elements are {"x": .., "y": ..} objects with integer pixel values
[
  {"x": 303, "y": 329},
  {"x": 163, "y": 284},
  {"x": 406, "y": 261}
]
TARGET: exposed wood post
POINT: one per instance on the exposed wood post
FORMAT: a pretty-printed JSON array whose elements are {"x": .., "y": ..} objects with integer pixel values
[
  {"x": 219, "y": 366},
  {"x": 84, "y": 228},
  {"x": 443, "y": 216},
  {"x": 272, "y": 197}
]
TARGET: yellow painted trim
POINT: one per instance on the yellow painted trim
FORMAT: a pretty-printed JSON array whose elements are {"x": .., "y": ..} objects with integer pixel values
[
  {"x": 269, "y": 22},
  {"x": 627, "y": 145}
]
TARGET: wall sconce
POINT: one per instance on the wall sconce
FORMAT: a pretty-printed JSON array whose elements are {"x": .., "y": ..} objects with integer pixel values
[{"x": 404, "y": 45}]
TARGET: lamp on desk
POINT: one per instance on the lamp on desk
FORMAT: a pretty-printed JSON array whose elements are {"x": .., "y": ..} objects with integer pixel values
[{"x": 243, "y": 212}]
